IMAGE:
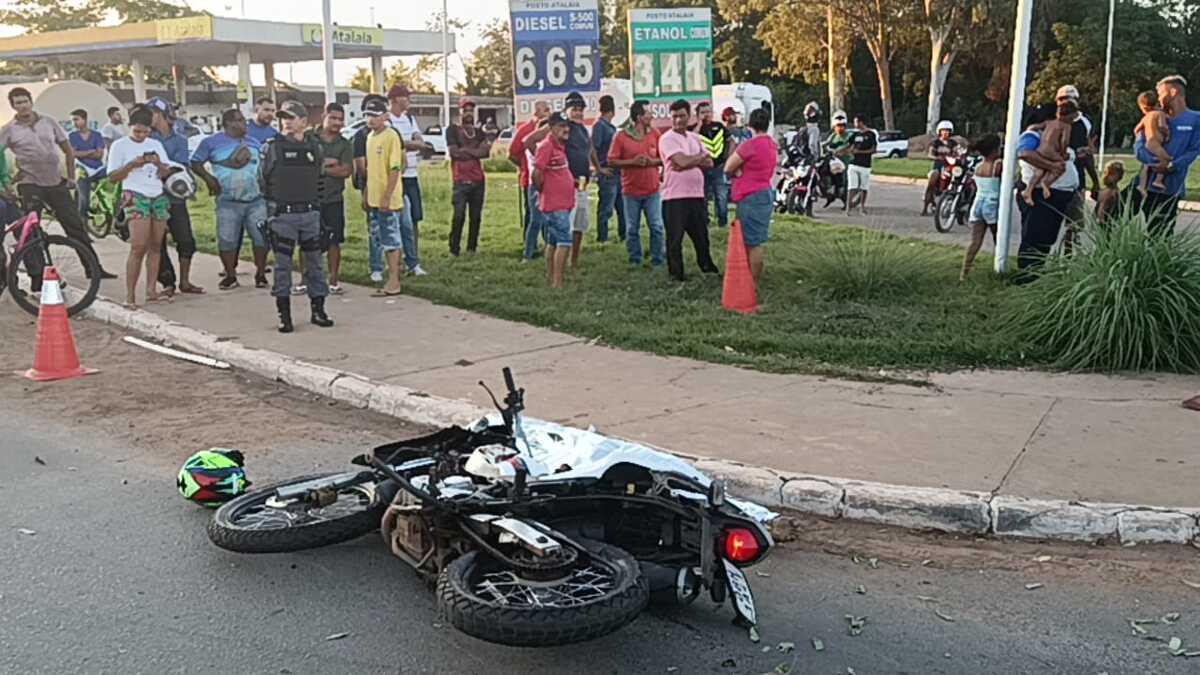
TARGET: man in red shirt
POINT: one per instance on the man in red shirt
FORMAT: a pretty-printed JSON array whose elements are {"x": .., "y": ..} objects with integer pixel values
[
  {"x": 556, "y": 196},
  {"x": 466, "y": 144},
  {"x": 635, "y": 152},
  {"x": 517, "y": 154}
]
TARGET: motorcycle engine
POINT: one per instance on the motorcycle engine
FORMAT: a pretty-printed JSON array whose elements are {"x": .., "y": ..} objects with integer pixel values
[{"x": 404, "y": 529}]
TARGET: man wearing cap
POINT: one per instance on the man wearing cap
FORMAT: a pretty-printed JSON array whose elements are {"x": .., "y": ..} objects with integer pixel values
[
  {"x": 382, "y": 192},
  {"x": 603, "y": 132},
  {"x": 517, "y": 154},
  {"x": 715, "y": 138},
  {"x": 374, "y": 253},
  {"x": 410, "y": 134},
  {"x": 581, "y": 156},
  {"x": 1162, "y": 206},
  {"x": 838, "y": 144},
  {"x": 1082, "y": 137},
  {"x": 467, "y": 145},
  {"x": 634, "y": 153},
  {"x": 179, "y": 221},
  {"x": 290, "y": 173}
]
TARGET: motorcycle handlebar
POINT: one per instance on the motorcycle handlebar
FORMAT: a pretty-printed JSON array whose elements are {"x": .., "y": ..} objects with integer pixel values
[{"x": 508, "y": 381}]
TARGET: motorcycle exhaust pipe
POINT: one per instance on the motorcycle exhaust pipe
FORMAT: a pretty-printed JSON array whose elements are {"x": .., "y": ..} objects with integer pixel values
[{"x": 671, "y": 585}]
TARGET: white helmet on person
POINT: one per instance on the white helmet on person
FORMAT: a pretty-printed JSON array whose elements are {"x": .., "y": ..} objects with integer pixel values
[
  {"x": 837, "y": 166},
  {"x": 945, "y": 125},
  {"x": 179, "y": 183},
  {"x": 839, "y": 117}
]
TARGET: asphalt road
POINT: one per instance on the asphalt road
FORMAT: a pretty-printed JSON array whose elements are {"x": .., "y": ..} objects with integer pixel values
[
  {"x": 118, "y": 574},
  {"x": 896, "y": 208}
]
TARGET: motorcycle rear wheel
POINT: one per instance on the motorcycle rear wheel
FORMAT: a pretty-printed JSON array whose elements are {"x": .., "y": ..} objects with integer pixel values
[
  {"x": 603, "y": 591},
  {"x": 246, "y": 524},
  {"x": 944, "y": 212}
]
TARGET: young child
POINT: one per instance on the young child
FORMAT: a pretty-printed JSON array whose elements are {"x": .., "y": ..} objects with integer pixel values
[
  {"x": 1056, "y": 137},
  {"x": 1157, "y": 129},
  {"x": 1109, "y": 203},
  {"x": 985, "y": 211}
]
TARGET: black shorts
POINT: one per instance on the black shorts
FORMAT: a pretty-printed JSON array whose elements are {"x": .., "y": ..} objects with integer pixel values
[{"x": 333, "y": 221}]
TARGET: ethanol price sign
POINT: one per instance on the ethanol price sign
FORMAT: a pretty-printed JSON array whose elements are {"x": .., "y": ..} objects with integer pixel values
[
  {"x": 670, "y": 56},
  {"x": 556, "y": 50}
]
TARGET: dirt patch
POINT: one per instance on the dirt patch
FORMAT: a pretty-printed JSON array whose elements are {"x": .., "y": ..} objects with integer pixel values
[
  {"x": 165, "y": 408},
  {"x": 907, "y": 548}
]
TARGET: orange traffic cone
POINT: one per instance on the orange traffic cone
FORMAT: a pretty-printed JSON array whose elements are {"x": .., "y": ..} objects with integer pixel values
[
  {"x": 738, "y": 295},
  {"x": 55, "y": 358}
]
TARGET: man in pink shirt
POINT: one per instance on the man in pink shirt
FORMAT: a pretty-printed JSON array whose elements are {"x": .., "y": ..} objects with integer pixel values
[
  {"x": 684, "y": 161},
  {"x": 556, "y": 196}
]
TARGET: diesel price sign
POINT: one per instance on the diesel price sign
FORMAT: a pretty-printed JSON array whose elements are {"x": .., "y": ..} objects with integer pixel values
[{"x": 556, "y": 49}]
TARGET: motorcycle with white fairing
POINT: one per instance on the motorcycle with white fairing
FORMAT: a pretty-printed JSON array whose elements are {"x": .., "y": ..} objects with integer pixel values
[{"x": 534, "y": 534}]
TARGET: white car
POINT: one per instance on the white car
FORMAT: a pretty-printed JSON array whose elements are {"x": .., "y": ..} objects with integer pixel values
[
  {"x": 434, "y": 136},
  {"x": 893, "y": 144}
]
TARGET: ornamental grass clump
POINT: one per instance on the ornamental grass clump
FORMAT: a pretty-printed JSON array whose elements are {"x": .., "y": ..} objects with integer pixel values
[{"x": 1125, "y": 300}]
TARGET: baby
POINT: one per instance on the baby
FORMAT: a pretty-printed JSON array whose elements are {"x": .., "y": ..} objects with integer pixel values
[
  {"x": 1157, "y": 129},
  {"x": 1056, "y": 137}
]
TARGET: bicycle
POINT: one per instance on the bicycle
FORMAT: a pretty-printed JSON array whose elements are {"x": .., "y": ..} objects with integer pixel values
[
  {"x": 104, "y": 209},
  {"x": 35, "y": 249}
]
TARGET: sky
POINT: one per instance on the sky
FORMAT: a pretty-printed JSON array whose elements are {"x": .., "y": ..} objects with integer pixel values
[{"x": 398, "y": 14}]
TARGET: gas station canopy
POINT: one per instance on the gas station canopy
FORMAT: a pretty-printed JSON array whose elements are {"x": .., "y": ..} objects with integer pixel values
[{"x": 213, "y": 41}]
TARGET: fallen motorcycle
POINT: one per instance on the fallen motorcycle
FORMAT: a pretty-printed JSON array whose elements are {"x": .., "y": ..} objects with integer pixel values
[{"x": 535, "y": 534}]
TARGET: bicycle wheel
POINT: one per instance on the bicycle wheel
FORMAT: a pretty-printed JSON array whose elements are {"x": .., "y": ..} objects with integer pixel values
[
  {"x": 76, "y": 266},
  {"x": 99, "y": 224}
]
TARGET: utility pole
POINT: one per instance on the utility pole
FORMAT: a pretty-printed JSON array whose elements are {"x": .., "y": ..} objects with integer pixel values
[
  {"x": 327, "y": 49},
  {"x": 1112, "y": 11},
  {"x": 445, "y": 65},
  {"x": 1016, "y": 108}
]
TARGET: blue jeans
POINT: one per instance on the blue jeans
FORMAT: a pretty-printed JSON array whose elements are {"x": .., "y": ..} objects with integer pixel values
[
  {"x": 409, "y": 242},
  {"x": 533, "y": 222},
  {"x": 385, "y": 227},
  {"x": 610, "y": 197},
  {"x": 83, "y": 193},
  {"x": 716, "y": 188},
  {"x": 235, "y": 219},
  {"x": 652, "y": 207}
]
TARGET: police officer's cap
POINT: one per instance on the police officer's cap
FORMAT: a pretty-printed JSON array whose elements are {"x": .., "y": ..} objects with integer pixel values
[{"x": 291, "y": 109}]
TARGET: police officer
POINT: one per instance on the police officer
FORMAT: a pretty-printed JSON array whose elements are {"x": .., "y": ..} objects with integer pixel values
[{"x": 290, "y": 173}]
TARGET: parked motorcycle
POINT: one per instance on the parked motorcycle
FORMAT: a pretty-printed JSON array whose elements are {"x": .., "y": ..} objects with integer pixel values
[
  {"x": 796, "y": 191},
  {"x": 535, "y": 537},
  {"x": 956, "y": 188}
]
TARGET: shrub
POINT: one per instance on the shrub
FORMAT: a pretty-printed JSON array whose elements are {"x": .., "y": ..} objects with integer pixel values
[
  {"x": 1124, "y": 301},
  {"x": 868, "y": 263},
  {"x": 498, "y": 165}
]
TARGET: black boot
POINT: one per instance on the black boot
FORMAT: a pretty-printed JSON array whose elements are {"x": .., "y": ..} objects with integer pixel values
[
  {"x": 319, "y": 317},
  {"x": 284, "y": 305}
]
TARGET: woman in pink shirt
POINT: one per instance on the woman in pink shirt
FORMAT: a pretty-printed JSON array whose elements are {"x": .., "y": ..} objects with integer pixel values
[{"x": 752, "y": 166}]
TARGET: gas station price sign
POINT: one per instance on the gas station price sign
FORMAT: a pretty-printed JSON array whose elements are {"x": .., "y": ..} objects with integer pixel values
[
  {"x": 556, "y": 50},
  {"x": 670, "y": 56}
]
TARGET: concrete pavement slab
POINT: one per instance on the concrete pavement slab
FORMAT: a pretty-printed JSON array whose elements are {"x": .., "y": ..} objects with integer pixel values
[{"x": 1147, "y": 449}]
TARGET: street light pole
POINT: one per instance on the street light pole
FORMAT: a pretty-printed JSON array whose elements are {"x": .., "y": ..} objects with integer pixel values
[
  {"x": 445, "y": 65},
  {"x": 1112, "y": 11},
  {"x": 327, "y": 49},
  {"x": 1016, "y": 108}
]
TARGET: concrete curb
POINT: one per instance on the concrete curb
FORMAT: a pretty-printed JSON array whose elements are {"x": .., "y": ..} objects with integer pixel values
[{"x": 919, "y": 508}]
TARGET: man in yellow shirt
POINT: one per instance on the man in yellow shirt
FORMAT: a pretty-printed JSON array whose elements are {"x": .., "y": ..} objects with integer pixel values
[{"x": 383, "y": 196}]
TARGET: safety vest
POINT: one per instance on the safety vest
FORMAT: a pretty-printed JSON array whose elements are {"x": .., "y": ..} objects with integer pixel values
[
  {"x": 715, "y": 146},
  {"x": 294, "y": 172}
]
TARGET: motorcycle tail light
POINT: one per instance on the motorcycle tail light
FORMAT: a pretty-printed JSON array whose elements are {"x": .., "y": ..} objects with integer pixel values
[{"x": 741, "y": 546}]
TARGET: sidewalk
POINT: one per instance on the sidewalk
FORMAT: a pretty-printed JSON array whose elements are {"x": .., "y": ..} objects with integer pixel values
[{"x": 1028, "y": 434}]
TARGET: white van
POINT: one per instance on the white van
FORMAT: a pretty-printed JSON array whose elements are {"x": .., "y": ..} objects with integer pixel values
[{"x": 752, "y": 96}]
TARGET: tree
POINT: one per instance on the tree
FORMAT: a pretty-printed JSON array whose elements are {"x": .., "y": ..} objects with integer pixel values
[
  {"x": 362, "y": 79},
  {"x": 489, "y": 69},
  {"x": 944, "y": 20},
  {"x": 874, "y": 22},
  {"x": 806, "y": 40}
]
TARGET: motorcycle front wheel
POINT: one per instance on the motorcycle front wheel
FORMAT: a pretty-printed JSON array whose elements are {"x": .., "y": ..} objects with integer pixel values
[
  {"x": 250, "y": 524},
  {"x": 944, "y": 212},
  {"x": 601, "y": 592}
]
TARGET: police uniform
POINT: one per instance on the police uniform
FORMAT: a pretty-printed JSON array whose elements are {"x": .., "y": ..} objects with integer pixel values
[{"x": 290, "y": 173}]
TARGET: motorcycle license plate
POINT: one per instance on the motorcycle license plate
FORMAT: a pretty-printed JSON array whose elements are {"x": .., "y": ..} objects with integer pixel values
[{"x": 739, "y": 588}]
